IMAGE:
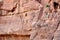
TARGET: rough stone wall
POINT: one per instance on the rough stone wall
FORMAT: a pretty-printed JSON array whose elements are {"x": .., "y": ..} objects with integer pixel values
[{"x": 29, "y": 19}]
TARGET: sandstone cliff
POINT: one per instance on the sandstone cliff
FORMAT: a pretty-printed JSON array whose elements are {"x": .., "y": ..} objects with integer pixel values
[{"x": 29, "y": 19}]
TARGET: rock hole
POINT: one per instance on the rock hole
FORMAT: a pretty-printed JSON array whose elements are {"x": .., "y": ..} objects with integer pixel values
[
  {"x": 12, "y": 10},
  {"x": 25, "y": 14},
  {"x": 47, "y": 5},
  {"x": 55, "y": 5}
]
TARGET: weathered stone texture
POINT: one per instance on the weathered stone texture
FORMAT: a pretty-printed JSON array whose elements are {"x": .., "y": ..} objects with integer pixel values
[
  {"x": 29, "y": 19},
  {"x": 14, "y": 37},
  {"x": 9, "y": 4}
]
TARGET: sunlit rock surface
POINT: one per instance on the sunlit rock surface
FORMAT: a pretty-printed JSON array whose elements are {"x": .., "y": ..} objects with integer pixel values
[{"x": 29, "y": 19}]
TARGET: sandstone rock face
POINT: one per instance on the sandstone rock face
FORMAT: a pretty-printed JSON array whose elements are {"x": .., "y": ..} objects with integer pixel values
[
  {"x": 9, "y": 4},
  {"x": 29, "y": 19}
]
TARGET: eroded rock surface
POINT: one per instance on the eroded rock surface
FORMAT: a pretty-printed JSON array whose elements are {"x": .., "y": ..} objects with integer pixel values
[{"x": 29, "y": 19}]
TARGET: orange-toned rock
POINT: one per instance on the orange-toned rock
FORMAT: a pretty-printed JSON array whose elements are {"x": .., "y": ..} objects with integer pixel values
[
  {"x": 12, "y": 25},
  {"x": 9, "y": 23},
  {"x": 19, "y": 24},
  {"x": 45, "y": 2},
  {"x": 29, "y": 20},
  {"x": 13, "y": 37},
  {"x": 9, "y": 4},
  {"x": 26, "y": 6}
]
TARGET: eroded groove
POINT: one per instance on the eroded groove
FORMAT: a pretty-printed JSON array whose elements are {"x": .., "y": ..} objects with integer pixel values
[
  {"x": 56, "y": 29},
  {"x": 57, "y": 26},
  {"x": 38, "y": 1},
  {"x": 29, "y": 11},
  {"x": 8, "y": 11},
  {"x": 52, "y": 38},
  {"x": 13, "y": 35}
]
